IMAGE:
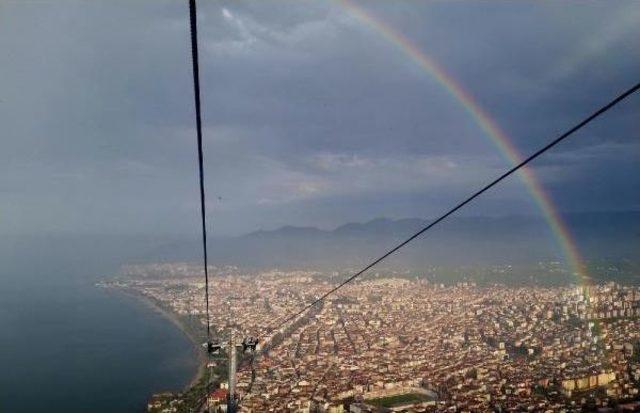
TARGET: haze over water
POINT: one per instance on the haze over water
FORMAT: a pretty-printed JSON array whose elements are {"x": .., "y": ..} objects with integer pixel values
[{"x": 68, "y": 345}]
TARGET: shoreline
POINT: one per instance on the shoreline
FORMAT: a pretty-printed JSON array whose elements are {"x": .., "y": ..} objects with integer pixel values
[{"x": 173, "y": 319}]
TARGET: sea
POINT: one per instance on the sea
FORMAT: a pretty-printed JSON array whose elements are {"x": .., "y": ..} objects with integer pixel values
[{"x": 69, "y": 346}]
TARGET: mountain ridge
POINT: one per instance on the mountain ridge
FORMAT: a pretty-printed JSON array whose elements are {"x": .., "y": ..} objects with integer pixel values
[{"x": 459, "y": 240}]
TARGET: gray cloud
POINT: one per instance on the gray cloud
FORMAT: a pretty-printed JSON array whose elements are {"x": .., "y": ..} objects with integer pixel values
[{"x": 310, "y": 115}]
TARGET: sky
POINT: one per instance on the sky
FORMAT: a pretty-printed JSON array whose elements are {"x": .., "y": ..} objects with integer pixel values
[{"x": 311, "y": 116}]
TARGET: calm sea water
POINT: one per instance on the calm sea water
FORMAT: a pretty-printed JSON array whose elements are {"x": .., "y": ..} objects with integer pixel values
[{"x": 68, "y": 346}]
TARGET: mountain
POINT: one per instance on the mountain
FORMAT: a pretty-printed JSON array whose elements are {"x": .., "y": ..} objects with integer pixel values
[{"x": 458, "y": 241}]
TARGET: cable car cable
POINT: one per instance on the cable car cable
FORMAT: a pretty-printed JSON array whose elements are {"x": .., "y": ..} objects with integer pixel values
[
  {"x": 476, "y": 194},
  {"x": 196, "y": 91},
  {"x": 460, "y": 205}
]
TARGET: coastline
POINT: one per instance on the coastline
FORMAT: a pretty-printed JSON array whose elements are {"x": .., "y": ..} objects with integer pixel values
[{"x": 173, "y": 319}]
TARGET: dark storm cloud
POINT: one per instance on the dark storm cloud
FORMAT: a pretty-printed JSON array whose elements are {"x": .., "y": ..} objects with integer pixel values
[{"x": 310, "y": 115}]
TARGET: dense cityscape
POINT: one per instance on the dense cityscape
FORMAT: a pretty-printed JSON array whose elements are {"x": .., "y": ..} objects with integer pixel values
[{"x": 401, "y": 342}]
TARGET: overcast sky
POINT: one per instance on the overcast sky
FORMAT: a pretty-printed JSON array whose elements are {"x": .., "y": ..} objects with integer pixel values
[{"x": 311, "y": 116}]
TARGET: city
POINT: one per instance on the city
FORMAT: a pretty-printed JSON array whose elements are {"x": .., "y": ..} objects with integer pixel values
[
  {"x": 407, "y": 344},
  {"x": 348, "y": 206}
]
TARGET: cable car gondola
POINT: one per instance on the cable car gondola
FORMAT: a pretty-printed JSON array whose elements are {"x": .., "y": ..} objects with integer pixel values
[{"x": 213, "y": 347}]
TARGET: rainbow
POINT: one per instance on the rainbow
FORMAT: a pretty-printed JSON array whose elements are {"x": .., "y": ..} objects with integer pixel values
[{"x": 489, "y": 127}]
